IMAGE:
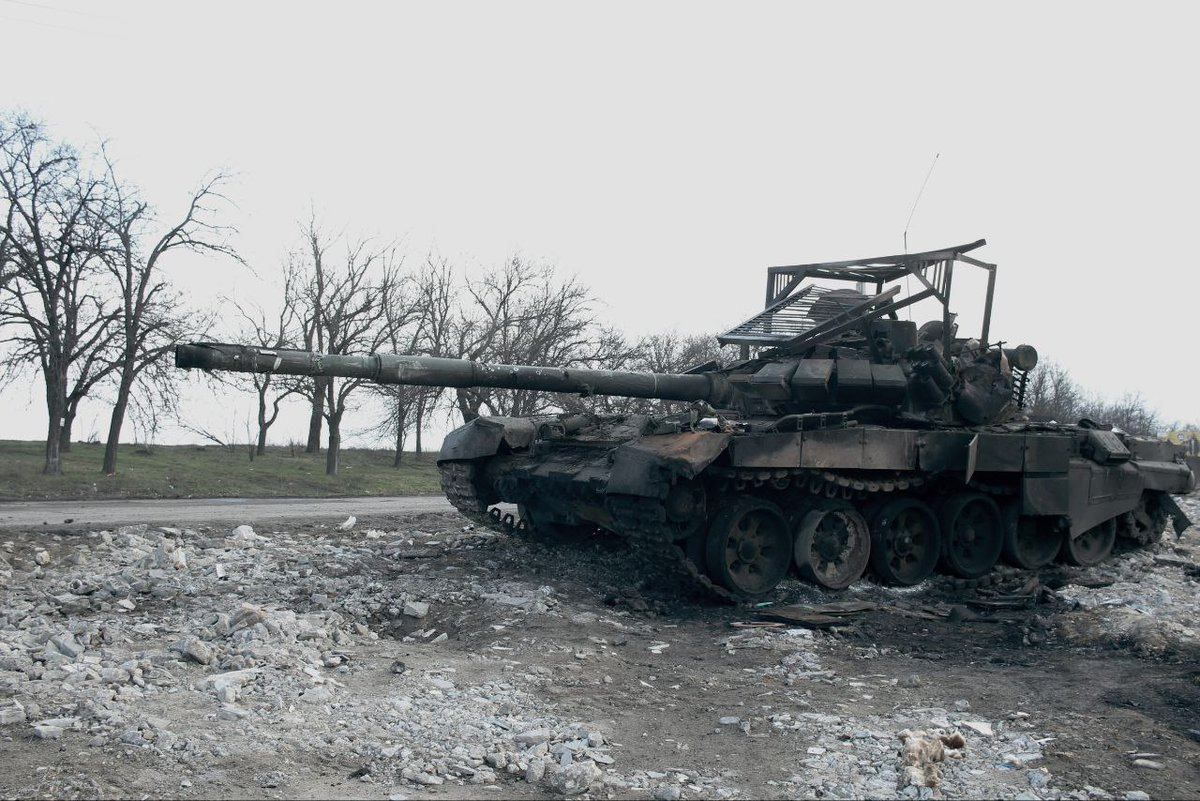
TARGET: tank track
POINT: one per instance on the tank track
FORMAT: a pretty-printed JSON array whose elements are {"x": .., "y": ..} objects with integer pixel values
[
  {"x": 640, "y": 520},
  {"x": 643, "y": 520},
  {"x": 459, "y": 487},
  {"x": 828, "y": 483}
]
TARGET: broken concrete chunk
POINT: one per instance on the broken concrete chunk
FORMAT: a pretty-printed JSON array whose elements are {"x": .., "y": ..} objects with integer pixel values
[
  {"x": 573, "y": 779},
  {"x": 12, "y": 714},
  {"x": 532, "y": 737},
  {"x": 46, "y": 731},
  {"x": 416, "y": 609},
  {"x": 536, "y": 770},
  {"x": 67, "y": 645},
  {"x": 666, "y": 792},
  {"x": 193, "y": 648}
]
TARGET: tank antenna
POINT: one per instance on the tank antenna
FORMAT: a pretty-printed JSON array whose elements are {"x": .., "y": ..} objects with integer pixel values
[
  {"x": 908, "y": 223},
  {"x": 920, "y": 192}
]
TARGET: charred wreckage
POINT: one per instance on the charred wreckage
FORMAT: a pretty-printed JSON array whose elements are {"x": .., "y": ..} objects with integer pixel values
[{"x": 843, "y": 439}]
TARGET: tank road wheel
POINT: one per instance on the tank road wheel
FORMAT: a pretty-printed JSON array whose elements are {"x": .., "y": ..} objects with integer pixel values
[
  {"x": 749, "y": 547},
  {"x": 833, "y": 545},
  {"x": 972, "y": 534},
  {"x": 1030, "y": 542},
  {"x": 905, "y": 542},
  {"x": 1092, "y": 546}
]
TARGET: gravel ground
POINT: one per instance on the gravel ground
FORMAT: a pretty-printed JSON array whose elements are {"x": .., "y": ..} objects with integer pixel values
[{"x": 419, "y": 657}]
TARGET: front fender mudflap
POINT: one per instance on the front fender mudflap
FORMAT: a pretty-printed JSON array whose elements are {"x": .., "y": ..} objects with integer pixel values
[
  {"x": 646, "y": 466},
  {"x": 487, "y": 436}
]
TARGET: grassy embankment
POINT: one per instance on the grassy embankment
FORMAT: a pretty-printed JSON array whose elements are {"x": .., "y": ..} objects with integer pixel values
[{"x": 209, "y": 471}]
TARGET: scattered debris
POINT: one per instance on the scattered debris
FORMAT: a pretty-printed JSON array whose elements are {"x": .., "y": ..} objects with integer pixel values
[
  {"x": 923, "y": 751},
  {"x": 188, "y": 649}
]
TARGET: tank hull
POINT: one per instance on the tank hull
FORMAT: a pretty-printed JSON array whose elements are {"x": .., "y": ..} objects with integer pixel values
[{"x": 667, "y": 486}]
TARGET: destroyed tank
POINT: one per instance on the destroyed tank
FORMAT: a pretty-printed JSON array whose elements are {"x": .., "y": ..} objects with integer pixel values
[{"x": 844, "y": 439}]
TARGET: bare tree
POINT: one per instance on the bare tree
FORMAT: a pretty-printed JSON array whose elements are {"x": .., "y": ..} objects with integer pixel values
[
  {"x": 1130, "y": 413},
  {"x": 665, "y": 352},
  {"x": 51, "y": 233},
  {"x": 348, "y": 306},
  {"x": 1052, "y": 394},
  {"x": 277, "y": 332},
  {"x": 316, "y": 242},
  {"x": 152, "y": 316},
  {"x": 435, "y": 303},
  {"x": 523, "y": 314},
  {"x": 418, "y": 323}
]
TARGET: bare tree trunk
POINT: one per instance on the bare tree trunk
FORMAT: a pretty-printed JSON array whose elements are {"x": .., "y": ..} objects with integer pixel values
[
  {"x": 64, "y": 437},
  {"x": 468, "y": 410},
  {"x": 261, "y": 448},
  {"x": 335, "y": 447},
  {"x": 314, "y": 421},
  {"x": 117, "y": 421},
  {"x": 420, "y": 421},
  {"x": 401, "y": 414},
  {"x": 54, "y": 412},
  {"x": 53, "y": 450}
]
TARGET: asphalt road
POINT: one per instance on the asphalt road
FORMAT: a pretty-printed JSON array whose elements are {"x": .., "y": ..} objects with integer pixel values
[{"x": 85, "y": 514}]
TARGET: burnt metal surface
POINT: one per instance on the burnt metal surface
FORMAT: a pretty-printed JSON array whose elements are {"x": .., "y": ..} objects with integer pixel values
[{"x": 903, "y": 429}]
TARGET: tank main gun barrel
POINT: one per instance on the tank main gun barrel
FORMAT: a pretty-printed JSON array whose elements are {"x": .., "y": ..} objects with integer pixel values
[{"x": 432, "y": 371}]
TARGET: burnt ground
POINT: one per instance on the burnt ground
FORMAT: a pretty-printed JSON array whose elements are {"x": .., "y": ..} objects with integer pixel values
[{"x": 561, "y": 644}]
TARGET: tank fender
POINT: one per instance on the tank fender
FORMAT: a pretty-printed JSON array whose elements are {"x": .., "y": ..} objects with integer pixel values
[
  {"x": 1167, "y": 477},
  {"x": 1099, "y": 492},
  {"x": 487, "y": 436},
  {"x": 647, "y": 465}
]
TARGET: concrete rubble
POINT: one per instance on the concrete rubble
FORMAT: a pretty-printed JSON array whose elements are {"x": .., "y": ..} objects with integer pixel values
[{"x": 349, "y": 646}]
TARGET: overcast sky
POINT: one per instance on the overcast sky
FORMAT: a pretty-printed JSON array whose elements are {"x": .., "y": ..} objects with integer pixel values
[{"x": 668, "y": 153}]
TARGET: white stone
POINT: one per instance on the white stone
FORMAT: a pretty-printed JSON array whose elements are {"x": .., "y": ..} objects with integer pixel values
[
  {"x": 46, "y": 731},
  {"x": 11, "y": 715},
  {"x": 532, "y": 737},
  {"x": 231, "y": 712},
  {"x": 67, "y": 645},
  {"x": 536, "y": 771},
  {"x": 573, "y": 779},
  {"x": 194, "y": 649},
  {"x": 115, "y": 675},
  {"x": 978, "y": 726},
  {"x": 416, "y": 609},
  {"x": 666, "y": 792}
]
